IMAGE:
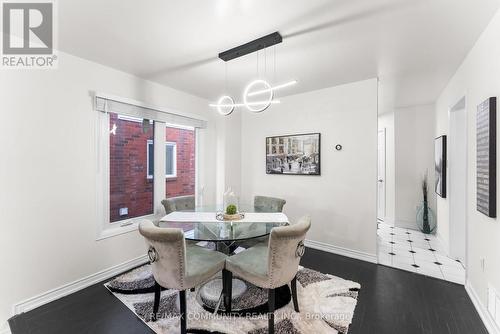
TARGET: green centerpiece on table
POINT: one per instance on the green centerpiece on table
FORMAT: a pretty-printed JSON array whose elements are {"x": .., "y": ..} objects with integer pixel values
[
  {"x": 231, "y": 204},
  {"x": 231, "y": 209}
]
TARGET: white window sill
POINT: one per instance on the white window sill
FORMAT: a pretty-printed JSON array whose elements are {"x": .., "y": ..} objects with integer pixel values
[
  {"x": 114, "y": 231},
  {"x": 122, "y": 227},
  {"x": 150, "y": 177}
]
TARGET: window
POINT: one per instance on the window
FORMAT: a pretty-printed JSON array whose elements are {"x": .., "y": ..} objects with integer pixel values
[
  {"x": 130, "y": 193},
  {"x": 170, "y": 159},
  {"x": 130, "y": 136},
  {"x": 151, "y": 159}
]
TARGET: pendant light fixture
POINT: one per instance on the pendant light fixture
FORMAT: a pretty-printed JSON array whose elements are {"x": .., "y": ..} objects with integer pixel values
[{"x": 258, "y": 95}]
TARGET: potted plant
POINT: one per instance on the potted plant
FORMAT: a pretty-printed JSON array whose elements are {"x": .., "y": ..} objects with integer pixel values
[
  {"x": 231, "y": 212},
  {"x": 231, "y": 209},
  {"x": 231, "y": 203}
]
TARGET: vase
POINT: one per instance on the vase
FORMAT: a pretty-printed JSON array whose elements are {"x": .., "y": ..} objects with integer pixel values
[
  {"x": 426, "y": 221},
  {"x": 230, "y": 198}
]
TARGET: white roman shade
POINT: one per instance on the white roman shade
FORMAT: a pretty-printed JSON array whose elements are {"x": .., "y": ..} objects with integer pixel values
[{"x": 109, "y": 104}]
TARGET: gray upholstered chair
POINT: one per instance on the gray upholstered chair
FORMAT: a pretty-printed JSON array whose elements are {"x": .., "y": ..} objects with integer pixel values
[
  {"x": 178, "y": 203},
  {"x": 268, "y": 204},
  {"x": 273, "y": 265},
  {"x": 263, "y": 204},
  {"x": 177, "y": 266}
]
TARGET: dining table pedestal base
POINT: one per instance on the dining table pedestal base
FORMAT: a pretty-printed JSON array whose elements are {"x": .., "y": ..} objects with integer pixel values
[
  {"x": 246, "y": 299},
  {"x": 211, "y": 292}
]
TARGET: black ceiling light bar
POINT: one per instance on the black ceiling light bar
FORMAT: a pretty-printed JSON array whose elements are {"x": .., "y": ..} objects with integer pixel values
[
  {"x": 255, "y": 45},
  {"x": 258, "y": 94}
]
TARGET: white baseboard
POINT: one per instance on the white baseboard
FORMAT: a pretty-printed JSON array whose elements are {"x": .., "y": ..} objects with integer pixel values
[
  {"x": 412, "y": 225},
  {"x": 5, "y": 329},
  {"x": 342, "y": 251},
  {"x": 486, "y": 317},
  {"x": 67, "y": 289},
  {"x": 387, "y": 220}
]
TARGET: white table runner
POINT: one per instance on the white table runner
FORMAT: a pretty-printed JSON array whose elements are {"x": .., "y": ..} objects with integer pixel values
[{"x": 209, "y": 217}]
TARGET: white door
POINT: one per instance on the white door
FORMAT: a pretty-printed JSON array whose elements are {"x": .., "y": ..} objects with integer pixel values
[
  {"x": 381, "y": 176},
  {"x": 457, "y": 162}
]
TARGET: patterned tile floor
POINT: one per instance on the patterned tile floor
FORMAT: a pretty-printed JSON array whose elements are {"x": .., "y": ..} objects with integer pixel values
[{"x": 414, "y": 251}]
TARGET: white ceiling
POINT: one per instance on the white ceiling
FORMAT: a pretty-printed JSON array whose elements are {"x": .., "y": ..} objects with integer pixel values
[{"x": 413, "y": 46}]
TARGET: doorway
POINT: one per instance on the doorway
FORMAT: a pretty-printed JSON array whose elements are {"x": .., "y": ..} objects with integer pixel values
[
  {"x": 457, "y": 162},
  {"x": 409, "y": 138},
  {"x": 381, "y": 176}
]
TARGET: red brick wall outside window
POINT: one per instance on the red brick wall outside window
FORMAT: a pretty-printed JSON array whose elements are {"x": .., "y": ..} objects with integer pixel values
[
  {"x": 184, "y": 182},
  {"x": 130, "y": 187}
]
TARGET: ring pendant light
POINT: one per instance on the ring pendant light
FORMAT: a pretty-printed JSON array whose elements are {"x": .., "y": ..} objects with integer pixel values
[{"x": 261, "y": 88}]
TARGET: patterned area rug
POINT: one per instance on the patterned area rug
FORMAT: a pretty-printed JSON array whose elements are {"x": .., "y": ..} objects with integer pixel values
[{"x": 326, "y": 305}]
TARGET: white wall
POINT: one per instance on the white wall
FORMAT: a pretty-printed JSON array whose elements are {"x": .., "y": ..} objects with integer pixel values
[
  {"x": 47, "y": 173},
  {"x": 414, "y": 155},
  {"x": 386, "y": 121},
  {"x": 342, "y": 201},
  {"x": 228, "y": 154},
  {"x": 477, "y": 78}
]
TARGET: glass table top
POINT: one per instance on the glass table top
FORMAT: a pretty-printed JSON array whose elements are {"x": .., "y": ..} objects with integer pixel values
[
  {"x": 242, "y": 207},
  {"x": 196, "y": 227}
]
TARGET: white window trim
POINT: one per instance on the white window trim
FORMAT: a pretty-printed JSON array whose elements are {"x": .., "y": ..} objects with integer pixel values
[
  {"x": 148, "y": 176},
  {"x": 167, "y": 143},
  {"x": 129, "y": 118},
  {"x": 147, "y": 105},
  {"x": 177, "y": 126}
]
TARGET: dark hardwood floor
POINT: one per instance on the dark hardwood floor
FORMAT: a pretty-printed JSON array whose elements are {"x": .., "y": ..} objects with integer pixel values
[{"x": 390, "y": 301}]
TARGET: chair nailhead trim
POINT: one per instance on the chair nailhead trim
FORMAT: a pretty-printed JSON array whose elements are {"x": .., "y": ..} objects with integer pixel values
[
  {"x": 271, "y": 281},
  {"x": 181, "y": 262}
]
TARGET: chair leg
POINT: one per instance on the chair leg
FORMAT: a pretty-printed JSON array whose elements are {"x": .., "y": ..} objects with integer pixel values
[
  {"x": 227, "y": 284},
  {"x": 294, "y": 294},
  {"x": 182, "y": 300},
  {"x": 156, "y": 304},
  {"x": 270, "y": 315}
]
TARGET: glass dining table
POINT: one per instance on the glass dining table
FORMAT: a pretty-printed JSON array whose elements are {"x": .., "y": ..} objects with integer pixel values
[
  {"x": 202, "y": 224},
  {"x": 205, "y": 226}
]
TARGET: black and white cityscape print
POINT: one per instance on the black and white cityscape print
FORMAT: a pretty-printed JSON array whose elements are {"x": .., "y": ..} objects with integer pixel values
[
  {"x": 294, "y": 154},
  {"x": 486, "y": 157},
  {"x": 440, "y": 166}
]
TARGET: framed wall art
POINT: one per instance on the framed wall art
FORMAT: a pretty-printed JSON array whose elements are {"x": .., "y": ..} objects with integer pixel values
[
  {"x": 294, "y": 154},
  {"x": 486, "y": 157},
  {"x": 440, "y": 166}
]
